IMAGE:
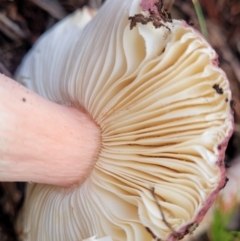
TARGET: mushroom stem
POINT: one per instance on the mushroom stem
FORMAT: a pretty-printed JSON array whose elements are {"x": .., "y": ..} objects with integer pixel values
[{"x": 44, "y": 142}]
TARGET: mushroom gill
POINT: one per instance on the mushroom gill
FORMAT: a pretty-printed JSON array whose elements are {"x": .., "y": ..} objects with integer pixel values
[{"x": 163, "y": 107}]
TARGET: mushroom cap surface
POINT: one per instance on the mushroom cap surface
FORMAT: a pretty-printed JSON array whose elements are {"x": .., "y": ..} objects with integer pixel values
[{"x": 163, "y": 106}]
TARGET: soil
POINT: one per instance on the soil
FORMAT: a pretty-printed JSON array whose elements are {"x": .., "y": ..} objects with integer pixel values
[{"x": 23, "y": 21}]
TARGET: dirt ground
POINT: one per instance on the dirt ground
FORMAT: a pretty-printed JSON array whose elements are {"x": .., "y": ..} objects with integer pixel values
[{"x": 23, "y": 21}]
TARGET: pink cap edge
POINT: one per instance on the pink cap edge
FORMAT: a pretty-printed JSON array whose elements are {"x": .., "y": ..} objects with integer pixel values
[{"x": 147, "y": 5}]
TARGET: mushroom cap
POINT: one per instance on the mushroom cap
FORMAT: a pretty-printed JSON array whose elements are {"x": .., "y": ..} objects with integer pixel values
[{"x": 163, "y": 106}]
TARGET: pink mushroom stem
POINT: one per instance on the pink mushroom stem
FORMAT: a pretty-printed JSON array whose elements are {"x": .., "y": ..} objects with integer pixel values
[{"x": 41, "y": 141}]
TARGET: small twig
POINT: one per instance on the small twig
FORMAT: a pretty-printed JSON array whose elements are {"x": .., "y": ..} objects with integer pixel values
[
  {"x": 11, "y": 29},
  {"x": 177, "y": 235}
]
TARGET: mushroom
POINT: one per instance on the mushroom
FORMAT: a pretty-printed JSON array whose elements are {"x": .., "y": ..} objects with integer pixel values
[{"x": 153, "y": 88}]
